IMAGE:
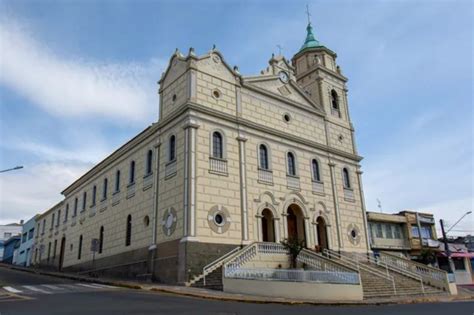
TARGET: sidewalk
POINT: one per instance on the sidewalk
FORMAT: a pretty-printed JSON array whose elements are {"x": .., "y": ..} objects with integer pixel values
[{"x": 223, "y": 296}]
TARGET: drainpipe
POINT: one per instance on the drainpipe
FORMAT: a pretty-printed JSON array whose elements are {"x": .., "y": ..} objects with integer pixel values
[{"x": 152, "y": 247}]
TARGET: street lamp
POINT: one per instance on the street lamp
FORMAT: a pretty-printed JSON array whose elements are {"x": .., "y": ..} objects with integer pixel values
[
  {"x": 11, "y": 169},
  {"x": 445, "y": 238}
]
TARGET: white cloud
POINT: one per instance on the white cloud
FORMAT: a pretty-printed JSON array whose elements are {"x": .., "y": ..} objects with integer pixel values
[
  {"x": 35, "y": 189},
  {"x": 74, "y": 87}
]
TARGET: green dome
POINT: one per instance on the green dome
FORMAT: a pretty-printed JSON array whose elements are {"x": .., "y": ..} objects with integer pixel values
[{"x": 310, "y": 41}]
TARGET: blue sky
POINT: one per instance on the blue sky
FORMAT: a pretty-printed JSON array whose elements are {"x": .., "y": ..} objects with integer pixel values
[{"x": 78, "y": 79}]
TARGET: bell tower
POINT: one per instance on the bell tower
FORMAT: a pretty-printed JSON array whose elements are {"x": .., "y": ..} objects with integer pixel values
[{"x": 319, "y": 75}]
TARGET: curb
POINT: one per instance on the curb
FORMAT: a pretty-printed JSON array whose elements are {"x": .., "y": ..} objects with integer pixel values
[{"x": 441, "y": 299}]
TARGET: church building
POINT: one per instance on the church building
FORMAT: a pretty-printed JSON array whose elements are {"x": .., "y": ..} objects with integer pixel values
[{"x": 232, "y": 160}]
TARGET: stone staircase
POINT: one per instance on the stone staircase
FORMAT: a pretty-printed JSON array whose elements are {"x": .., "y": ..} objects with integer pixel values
[
  {"x": 380, "y": 279},
  {"x": 213, "y": 280}
]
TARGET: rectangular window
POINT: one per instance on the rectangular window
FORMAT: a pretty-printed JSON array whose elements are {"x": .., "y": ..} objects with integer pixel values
[
  {"x": 52, "y": 221},
  {"x": 378, "y": 231},
  {"x": 31, "y": 232},
  {"x": 426, "y": 231},
  {"x": 414, "y": 231},
  {"x": 398, "y": 232},
  {"x": 24, "y": 237},
  {"x": 388, "y": 231},
  {"x": 59, "y": 218},
  {"x": 459, "y": 263},
  {"x": 44, "y": 226}
]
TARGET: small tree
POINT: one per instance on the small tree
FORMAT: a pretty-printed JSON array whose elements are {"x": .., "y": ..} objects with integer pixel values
[
  {"x": 428, "y": 256},
  {"x": 294, "y": 246}
]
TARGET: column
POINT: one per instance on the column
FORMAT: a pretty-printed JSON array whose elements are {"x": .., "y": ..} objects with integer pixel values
[
  {"x": 306, "y": 233},
  {"x": 190, "y": 130},
  {"x": 276, "y": 226},
  {"x": 259, "y": 227},
  {"x": 336, "y": 204},
  {"x": 243, "y": 188},
  {"x": 364, "y": 213},
  {"x": 285, "y": 225}
]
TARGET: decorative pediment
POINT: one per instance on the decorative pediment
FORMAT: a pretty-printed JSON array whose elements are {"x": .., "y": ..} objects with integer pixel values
[
  {"x": 214, "y": 64},
  {"x": 290, "y": 91}
]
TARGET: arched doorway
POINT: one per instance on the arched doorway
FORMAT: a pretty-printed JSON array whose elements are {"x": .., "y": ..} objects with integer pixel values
[
  {"x": 322, "y": 233},
  {"x": 61, "y": 253},
  {"x": 295, "y": 222},
  {"x": 268, "y": 228}
]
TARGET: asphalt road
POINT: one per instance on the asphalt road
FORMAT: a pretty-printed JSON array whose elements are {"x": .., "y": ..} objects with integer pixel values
[{"x": 59, "y": 296}]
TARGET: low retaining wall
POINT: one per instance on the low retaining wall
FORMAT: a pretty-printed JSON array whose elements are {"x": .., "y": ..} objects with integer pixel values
[{"x": 295, "y": 290}]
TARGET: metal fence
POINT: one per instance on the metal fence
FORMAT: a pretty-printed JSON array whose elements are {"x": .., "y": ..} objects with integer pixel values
[{"x": 294, "y": 275}]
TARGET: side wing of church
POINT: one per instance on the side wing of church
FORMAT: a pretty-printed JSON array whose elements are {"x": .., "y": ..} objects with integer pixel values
[{"x": 232, "y": 160}]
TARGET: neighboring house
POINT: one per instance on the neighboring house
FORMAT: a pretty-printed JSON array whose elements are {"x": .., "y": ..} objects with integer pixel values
[
  {"x": 7, "y": 231},
  {"x": 407, "y": 233},
  {"x": 10, "y": 249},
  {"x": 462, "y": 261},
  {"x": 25, "y": 252}
]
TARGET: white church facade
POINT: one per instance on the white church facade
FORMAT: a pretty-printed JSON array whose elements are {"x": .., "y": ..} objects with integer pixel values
[{"x": 233, "y": 160}]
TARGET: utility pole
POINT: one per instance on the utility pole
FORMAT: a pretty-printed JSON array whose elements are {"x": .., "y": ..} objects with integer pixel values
[{"x": 446, "y": 246}]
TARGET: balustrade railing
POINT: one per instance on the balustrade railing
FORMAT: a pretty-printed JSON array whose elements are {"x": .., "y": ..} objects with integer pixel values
[
  {"x": 354, "y": 263},
  {"x": 349, "y": 194},
  {"x": 318, "y": 187},
  {"x": 429, "y": 275},
  {"x": 217, "y": 165},
  {"x": 265, "y": 176},
  {"x": 292, "y": 182},
  {"x": 170, "y": 169}
]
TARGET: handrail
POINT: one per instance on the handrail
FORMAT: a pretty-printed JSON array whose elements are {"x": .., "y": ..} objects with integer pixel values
[
  {"x": 430, "y": 275},
  {"x": 219, "y": 261},
  {"x": 383, "y": 264},
  {"x": 356, "y": 264},
  {"x": 327, "y": 260},
  {"x": 368, "y": 269}
]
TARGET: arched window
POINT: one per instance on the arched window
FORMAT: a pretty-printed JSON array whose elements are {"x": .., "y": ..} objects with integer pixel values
[
  {"x": 79, "y": 250},
  {"x": 128, "y": 236},
  {"x": 263, "y": 153},
  {"x": 217, "y": 145},
  {"x": 117, "y": 181},
  {"x": 334, "y": 100},
  {"x": 104, "y": 188},
  {"x": 66, "y": 213},
  {"x": 94, "y": 194},
  {"x": 149, "y": 162},
  {"x": 291, "y": 164},
  {"x": 131, "y": 179},
  {"x": 84, "y": 201},
  {"x": 346, "y": 178},
  {"x": 172, "y": 148},
  {"x": 101, "y": 239},
  {"x": 76, "y": 202},
  {"x": 315, "y": 169}
]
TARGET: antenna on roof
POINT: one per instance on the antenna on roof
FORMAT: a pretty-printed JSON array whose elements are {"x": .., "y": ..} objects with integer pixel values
[
  {"x": 379, "y": 205},
  {"x": 308, "y": 14}
]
